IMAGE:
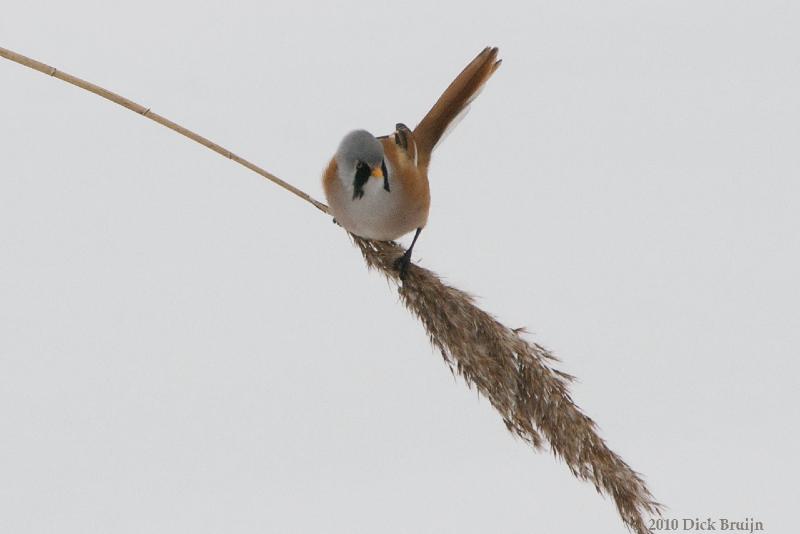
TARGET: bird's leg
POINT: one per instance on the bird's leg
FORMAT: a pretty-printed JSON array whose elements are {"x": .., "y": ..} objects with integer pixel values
[{"x": 402, "y": 263}]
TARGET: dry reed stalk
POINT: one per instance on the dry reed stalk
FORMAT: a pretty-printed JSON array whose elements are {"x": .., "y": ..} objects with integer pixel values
[
  {"x": 514, "y": 375},
  {"x": 153, "y": 116}
]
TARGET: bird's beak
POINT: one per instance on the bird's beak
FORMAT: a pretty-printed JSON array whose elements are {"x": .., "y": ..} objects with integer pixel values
[{"x": 377, "y": 172}]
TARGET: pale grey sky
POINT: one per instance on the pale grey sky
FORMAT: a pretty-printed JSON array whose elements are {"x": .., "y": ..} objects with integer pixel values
[{"x": 184, "y": 347}]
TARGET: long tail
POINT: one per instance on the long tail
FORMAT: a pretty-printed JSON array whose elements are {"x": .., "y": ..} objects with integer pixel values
[{"x": 453, "y": 103}]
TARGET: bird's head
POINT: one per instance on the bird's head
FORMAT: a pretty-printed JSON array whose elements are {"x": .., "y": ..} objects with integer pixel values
[{"x": 359, "y": 157}]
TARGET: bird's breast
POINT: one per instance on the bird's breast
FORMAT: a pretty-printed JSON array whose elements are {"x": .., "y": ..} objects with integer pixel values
[{"x": 377, "y": 213}]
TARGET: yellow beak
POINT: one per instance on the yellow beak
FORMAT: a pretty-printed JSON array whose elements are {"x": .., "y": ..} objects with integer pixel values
[{"x": 377, "y": 172}]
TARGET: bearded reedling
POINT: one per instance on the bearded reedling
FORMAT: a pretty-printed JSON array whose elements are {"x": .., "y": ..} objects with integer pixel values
[{"x": 377, "y": 187}]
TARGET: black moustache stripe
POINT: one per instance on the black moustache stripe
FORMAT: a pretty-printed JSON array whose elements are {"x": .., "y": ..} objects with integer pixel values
[
  {"x": 362, "y": 175},
  {"x": 385, "y": 176}
]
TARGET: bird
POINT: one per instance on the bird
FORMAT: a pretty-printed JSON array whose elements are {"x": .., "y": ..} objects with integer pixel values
[{"x": 377, "y": 187}]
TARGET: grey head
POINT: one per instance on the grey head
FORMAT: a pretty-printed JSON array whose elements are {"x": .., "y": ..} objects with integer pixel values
[
  {"x": 360, "y": 156},
  {"x": 359, "y": 145}
]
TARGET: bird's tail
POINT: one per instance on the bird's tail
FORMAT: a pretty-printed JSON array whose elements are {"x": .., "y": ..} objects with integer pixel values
[{"x": 453, "y": 103}]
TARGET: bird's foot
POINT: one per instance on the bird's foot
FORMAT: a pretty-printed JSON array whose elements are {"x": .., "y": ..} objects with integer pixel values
[{"x": 402, "y": 263}]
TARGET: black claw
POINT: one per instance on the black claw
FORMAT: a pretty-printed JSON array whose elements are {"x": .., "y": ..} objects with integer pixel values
[{"x": 402, "y": 263}]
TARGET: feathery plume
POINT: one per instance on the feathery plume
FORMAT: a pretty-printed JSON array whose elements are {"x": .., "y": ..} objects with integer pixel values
[{"x": 517, "y": 378}]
